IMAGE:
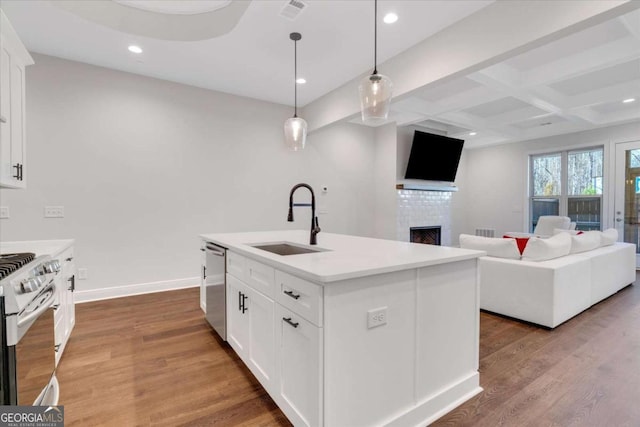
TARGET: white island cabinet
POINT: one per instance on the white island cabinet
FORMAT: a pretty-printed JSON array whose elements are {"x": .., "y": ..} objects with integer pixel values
[{"x": 361, "y": 332}]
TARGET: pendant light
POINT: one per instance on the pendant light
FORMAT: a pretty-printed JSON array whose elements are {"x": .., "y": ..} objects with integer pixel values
[
  {"x": 295, "y": 128},
  {"x": 375, "y": 90}
]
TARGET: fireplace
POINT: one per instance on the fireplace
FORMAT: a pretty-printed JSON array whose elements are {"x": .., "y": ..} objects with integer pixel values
[{"x": 426, "y": 235}]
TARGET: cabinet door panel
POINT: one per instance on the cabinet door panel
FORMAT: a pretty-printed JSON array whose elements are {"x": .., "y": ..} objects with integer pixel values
[
  {"x": 300, "y": 375},
  {"x": 5, "y": 111},
  {"x": 262, "y": 342},
  {"x": 17, "y": 114},
  {"x": 237, "y": 321}
]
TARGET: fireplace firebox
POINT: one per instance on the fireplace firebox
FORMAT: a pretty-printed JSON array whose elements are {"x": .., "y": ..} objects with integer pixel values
[{"x": 427, "y": 235}]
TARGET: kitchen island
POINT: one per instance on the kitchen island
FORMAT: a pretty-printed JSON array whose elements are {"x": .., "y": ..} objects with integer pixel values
[{"x": 358, "y": 332}]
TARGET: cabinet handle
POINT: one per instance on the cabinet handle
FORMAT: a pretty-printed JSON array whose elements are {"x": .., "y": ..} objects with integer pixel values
[
  {"x": 292, "y": 295},
  {"x": 56, "y": 347},
  {"x": 240, "y": 301},
  {"x": 244, "y": 298},
  {"x": 69, "y": 259},
  {"x": 18, "y": 170},
  {"x": 55, "y": 306},
  {"x": 204, "y": 272},
  {"x": 288, "y": 320},
  {"x": 72, "y": 279}
]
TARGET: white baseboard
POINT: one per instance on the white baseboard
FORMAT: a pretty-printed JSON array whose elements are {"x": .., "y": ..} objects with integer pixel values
[{"x": 136, "y": 289}]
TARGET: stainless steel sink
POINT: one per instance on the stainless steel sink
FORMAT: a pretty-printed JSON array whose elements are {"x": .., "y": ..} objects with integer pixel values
[{"x": 286, "y": 248}]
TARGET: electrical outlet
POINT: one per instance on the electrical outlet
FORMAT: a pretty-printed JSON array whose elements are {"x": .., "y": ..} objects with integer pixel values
[
  {"x": 4, "y": 212},
  {"x": 376, "y": 317},
  {"x": 83, "y": 273},
  {"x": 54, "y": 211}
]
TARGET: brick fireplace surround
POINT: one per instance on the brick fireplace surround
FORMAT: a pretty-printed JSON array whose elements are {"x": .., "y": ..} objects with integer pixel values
[{"x": 418, "y": 208}]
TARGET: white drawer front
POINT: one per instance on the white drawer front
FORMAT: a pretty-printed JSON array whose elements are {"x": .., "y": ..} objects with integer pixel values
[
  {"x": 300, "y": 296},
  {"x": 260, "y": 277},
  {"x": 236, "y": 265}
]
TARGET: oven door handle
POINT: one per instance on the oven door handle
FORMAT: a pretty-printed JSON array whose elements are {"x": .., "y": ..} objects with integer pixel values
[{"x": 41, "y": 309}]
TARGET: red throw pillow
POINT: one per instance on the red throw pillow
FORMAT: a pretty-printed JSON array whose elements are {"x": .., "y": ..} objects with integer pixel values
[{"x": 520, "y": 241}]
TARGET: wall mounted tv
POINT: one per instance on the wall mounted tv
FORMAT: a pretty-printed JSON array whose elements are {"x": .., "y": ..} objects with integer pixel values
[{"x": 434, "y": 157}]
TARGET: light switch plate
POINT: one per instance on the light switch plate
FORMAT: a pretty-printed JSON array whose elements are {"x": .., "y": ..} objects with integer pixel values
[
  {"x": 54, "y": 211},
  {"x": 4, "y": 212}
]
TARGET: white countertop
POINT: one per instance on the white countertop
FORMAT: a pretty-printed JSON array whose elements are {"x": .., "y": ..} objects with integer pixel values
[
  {"x": 347, "y": 257},
  {"x": 39, "y": 247}
]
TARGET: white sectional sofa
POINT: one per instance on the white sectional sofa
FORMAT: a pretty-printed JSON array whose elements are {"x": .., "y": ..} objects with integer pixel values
[{"x": 548, "y": 292}]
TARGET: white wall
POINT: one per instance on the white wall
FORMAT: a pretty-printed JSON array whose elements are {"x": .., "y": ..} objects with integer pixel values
[
  {"x": 385, "y": 181},
  {"x": 143, "y": 166},
  {"x": 493, "y": 186}
]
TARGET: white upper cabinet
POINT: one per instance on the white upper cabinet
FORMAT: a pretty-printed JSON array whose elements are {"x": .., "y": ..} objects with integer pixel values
[{"x": 14, "y": 57}]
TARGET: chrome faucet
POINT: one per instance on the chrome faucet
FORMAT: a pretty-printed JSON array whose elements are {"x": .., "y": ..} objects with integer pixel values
[{"x": 315, "y": 229}]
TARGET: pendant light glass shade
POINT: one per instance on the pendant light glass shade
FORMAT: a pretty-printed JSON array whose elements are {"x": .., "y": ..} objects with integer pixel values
[
  {"x": 375, "y": 97},
  {"x": 295, "y": 128},
  {"x": 375, "y": 90},
  {"x": 295, "y": 133}
]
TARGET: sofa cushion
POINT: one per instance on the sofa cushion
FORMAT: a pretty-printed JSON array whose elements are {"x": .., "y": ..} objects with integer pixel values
[
  {"x": 539, "y": 249},
  {"x": 494, "y": 246},
  {"x": 608, "y": 237},
  {"x": 585, "y": 242},
  {"x": 572, "y": 232}
]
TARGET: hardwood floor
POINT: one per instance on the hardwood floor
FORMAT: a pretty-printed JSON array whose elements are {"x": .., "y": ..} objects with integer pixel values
[{"x": 153, "y": 360}]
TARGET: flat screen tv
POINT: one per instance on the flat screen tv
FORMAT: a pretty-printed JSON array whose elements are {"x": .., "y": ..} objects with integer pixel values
[{"x": 434, "y": 157}]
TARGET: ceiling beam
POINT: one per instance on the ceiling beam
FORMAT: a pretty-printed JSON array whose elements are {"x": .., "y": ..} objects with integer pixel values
[{"x": 587, "y": 61}]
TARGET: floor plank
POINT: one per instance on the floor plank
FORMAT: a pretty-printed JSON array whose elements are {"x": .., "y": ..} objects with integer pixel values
[{"x": 152, "y": 360}]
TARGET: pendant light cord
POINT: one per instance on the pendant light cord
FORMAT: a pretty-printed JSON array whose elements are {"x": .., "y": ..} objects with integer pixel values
[
  {"x": 375, "y": 37},
  {"x": 295, "y": 78}
]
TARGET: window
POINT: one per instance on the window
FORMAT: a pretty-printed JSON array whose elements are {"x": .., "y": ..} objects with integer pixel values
[{"x": 567, "y": 183}]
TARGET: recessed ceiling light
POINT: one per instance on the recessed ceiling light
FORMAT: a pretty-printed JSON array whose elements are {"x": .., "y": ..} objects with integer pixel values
[
  {"x": 135, "y": 49},
  {"x": 473, "y": 133},
  {"x": 626, "y": 101},
  {"x": 390, "y": 18},
  {"x": 301, "y": 81}
]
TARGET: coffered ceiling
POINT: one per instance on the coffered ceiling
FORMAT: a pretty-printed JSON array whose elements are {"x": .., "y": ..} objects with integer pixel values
[{"x": 576, "y": 83}]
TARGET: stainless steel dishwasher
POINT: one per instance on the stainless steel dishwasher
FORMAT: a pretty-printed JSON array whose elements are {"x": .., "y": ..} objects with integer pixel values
[{"x": 215, "y": 288}]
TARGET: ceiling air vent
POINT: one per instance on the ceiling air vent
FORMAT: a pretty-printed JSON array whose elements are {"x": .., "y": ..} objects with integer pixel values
[{"x": 292, "y": 9}]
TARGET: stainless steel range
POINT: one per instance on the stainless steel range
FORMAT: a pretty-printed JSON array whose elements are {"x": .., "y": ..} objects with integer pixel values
[{"x": 27, "y": 295}]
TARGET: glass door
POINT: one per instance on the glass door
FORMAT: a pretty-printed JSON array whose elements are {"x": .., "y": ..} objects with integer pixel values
[{"x": 627, "y": 194}]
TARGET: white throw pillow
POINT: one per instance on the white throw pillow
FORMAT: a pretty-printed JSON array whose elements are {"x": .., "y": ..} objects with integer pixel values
[
  {"x": 539, "y": 249},
  {"x": 585, "y": 242},
  {"x": 562, "y": 230},
  {"x": 608, "y": 237},
  {"x": 494, "y": 246}
]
